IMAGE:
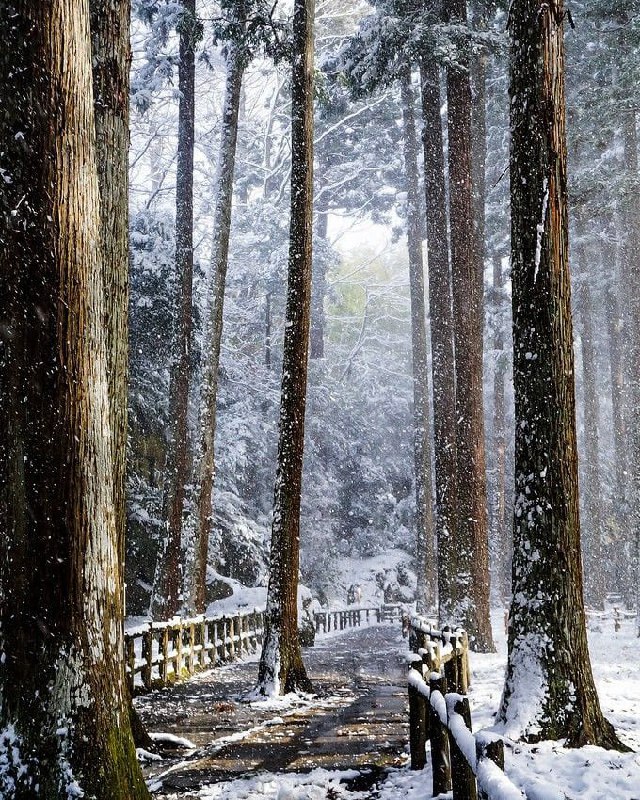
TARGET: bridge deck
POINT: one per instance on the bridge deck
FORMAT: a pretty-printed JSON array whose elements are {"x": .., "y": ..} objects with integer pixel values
[{"x": 357, "y": 721}]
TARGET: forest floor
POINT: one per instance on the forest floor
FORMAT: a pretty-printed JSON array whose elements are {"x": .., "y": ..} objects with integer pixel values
[{"x": 350, "y": 741}]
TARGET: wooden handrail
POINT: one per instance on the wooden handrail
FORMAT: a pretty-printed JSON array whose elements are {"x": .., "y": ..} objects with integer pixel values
[{"x": 470, "y": 766}]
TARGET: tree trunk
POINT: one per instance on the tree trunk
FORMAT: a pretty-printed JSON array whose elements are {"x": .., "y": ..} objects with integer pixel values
[
  {"x": 111, "y": 61},
  {"x": 549, "y": 690},
  {"x": 425, "y": 555},
  {"x": 472, "y": 535},
  {"x": 502, "y": 526},
  {"x": 631, "y": 281},
  {"x": 63, "y": 714},
  {"x": 442, "y": 352},
  {"x": 111, "y": 53},
  {"x": 219, "y": 261},
  {"x": 170, "y": 569},
  {"x": 281, "y": 669},
  {"x": 319, "y": 283},
  {"x": 592, "y": 535}
]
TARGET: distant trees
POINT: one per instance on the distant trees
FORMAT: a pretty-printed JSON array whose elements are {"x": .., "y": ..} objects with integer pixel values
[
  {"x": 63, "y": 707},
  {"x": 281, "y": 669},
  {"x": 547, "y": 632}
]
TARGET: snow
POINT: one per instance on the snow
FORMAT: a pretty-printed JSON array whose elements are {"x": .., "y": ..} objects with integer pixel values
[
  {"x": 544, "y": 771},
  {"x": 169, "y": 738}
]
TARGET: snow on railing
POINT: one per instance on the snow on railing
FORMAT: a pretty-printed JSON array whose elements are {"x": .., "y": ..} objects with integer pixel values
[
  {"x": 469, "y": 765},
  {"x": 355, "y": 617},
  {"x": 159, "y": 653}
]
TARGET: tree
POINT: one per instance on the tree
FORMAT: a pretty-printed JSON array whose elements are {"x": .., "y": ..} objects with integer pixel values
[
  {"x": 425, "y": 561},
  {"x": 177, "y": 467},
  {"x": 281, "y": 669},
  {"x": 547, "y": 632},
  {"x": 472, "y": 536},
  {"x": 63, "y": 707},
  {"x": 236, "y": 62}
]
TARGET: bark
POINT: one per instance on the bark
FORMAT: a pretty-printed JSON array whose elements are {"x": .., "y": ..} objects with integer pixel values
[
  {"x": 281, "y": 669},
  {"x": 547, "y": 632},
  {"x": 63, "y": 709},
  {"x": 111, "y": 60},
  {"x": 319, "y": 283},
  {"x": 425, "y": 555},
  {"x": 219, "y": 261},
  {"x": 177, "y": 466},
  {"x": 592, "y": 534},
  {"x": 442, "y": 350},
  {"x": 472, "y": 535},
  {"x": 631, "y": 281},
  {"x": 614, "y": 343},
  {"x": 111, "y": 54},
  {"x": 502, "y": 526}
]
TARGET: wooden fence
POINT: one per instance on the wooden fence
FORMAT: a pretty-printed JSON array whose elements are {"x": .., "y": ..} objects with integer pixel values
[
  {"x": 163, "y": 652},
  {"x": 470, "y": 766},
  {"x": 160, "y": 653},
  {"x": 326, "y": 621}
]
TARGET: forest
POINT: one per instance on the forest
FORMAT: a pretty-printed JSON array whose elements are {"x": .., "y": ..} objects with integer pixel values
[{"x": 314, "y": 308}]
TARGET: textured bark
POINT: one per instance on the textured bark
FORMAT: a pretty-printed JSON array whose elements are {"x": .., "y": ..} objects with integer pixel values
[
  {"x": 592, "y": 533},
  {"x": 169, "y": 591},
  {"x": 425, "y": 550},
  {"x": 219, "y": 261},
  {"x": 614, "y": 344},
  {"x": 281, "y": 669},
  {"x": 319, "y": 283},
  {"x": 501, "y": 525},
  {"x": 111, "y": 60},
  {"x": 631, "y": 282},
  {"x": 442, "y": 350},
  {"x": 548, "y": 657},
  {"x": 472, "y": 534},
  {"x": 63, "y": 709}
]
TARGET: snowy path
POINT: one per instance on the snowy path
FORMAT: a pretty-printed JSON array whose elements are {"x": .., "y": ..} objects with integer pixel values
[{"x": 357, "y": 723}]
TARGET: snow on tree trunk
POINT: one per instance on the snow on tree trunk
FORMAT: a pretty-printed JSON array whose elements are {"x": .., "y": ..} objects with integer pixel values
[
  {"x": 442, "y": 352},
  {"x": 281, "y": 669},
  {"x": 472, "y": 534},
  {"x": 425, "y": 550},
  {"x": 169, "y": 579},
  {"x": 549, "y": 689},
  {"x": 64, "y": 725},
  {"x": 219, "y": 260}
]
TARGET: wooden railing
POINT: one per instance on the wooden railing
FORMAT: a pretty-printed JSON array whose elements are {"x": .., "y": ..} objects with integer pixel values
[
  {"x": 163, "y": 652},
  {"x": 355, "y": 617},
  {"x": 470, "y": 766},
  {"x": 160, "y": 653}
]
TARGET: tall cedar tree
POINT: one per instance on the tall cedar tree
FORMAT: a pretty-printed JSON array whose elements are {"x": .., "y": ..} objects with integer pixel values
[
  {"x": 169, "y": 591},
  {"x": 63, "y": 709},
  {"x": 111, "y": 59},
  {"x": 425, "y": 551},
  {"x": 281, "y": 669},
  {"x": 236, "y": 60},
  {"x": 472, "y": 533},
  {"x": 442, "y": 347},
  {"x": 547, "y": 632}
]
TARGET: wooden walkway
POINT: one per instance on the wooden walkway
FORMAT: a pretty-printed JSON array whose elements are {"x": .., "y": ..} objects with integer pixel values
[{"x": 358, "y": 719}]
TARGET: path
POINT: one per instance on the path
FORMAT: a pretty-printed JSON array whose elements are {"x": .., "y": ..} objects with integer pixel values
[{"x": 356, "y": 721}]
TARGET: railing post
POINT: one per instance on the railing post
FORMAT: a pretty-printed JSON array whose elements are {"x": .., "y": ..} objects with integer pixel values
[
  {"x": 202, "y": 635},
  {"x": 131, "y": 663},
  {"x": 451, "y": 667},
  {"x": 441, "y": 763},
  {"x": 463, "y": 777},
  {"x": 191, "y": 656},
  {"x": 178, "y": 667},
  {"x": 147, "y": 655},
  {"x": 418, "y": 720},
  {"x": 488, "y": 747},
  {"x": 164, "y": 667}
]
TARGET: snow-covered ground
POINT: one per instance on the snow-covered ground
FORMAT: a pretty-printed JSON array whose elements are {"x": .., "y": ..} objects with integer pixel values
[{"x": 547, "y": 771}]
